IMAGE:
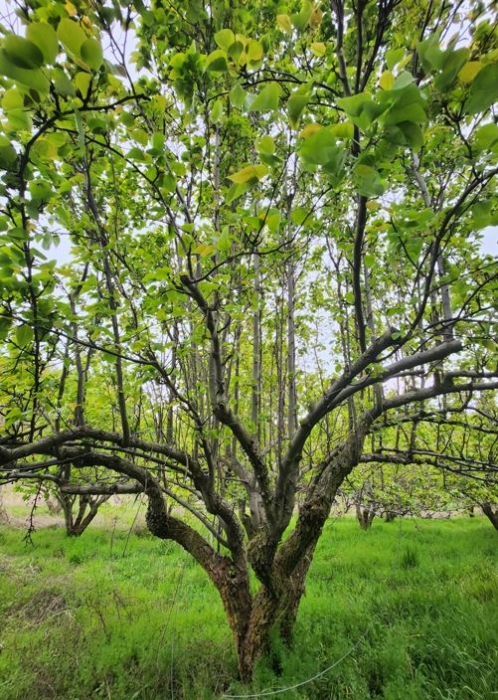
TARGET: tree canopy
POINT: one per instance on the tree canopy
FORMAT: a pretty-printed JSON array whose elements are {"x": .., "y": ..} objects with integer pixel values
[{"x": 241, "y": 250}]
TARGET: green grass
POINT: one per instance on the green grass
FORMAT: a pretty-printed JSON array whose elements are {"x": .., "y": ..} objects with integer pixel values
[{"x": 124, "y": 616}]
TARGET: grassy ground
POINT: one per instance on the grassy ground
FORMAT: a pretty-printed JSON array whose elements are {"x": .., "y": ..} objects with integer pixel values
[{"x": 119, "y": 615}]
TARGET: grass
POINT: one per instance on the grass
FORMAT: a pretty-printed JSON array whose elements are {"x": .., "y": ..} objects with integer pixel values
[{"x": 124, "y": 616}]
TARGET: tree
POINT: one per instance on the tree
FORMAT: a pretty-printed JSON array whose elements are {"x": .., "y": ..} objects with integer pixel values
[
  {"x": 441, "y": 459},
  {"x": 272, "y": 214}
]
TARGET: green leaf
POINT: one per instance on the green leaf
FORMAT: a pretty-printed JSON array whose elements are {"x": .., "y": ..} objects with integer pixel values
[
  {"x": 62, "y": 83},
  {"x": 430, "y": 54},
  {"x": 158, "y": 141},
  {"x": 136, "y": 154},
  {"x": 284, "y": 24},
  {"x": 217, "y": 61},
  {"x": 413, "y": 134},
  {"x": 481, "y": 215},
  {"x": 237, "y": 190},
  {"x": 483, "y": 90},
  {"x": 408, "y": 106},
  {"x": 33, "y": 78},
  {"x": 320, "y": 148},
  {"x": 295, "y": 107},
  {"x": 393, "y": 57},
  {"x": 18, "y": 234},
  {"x": 217, "y": 111},
  {"x": 455, "y": 60},
  {"x": 362, "y": 110},
  {"x": 318, "y": 48},
  {"x": 140, "y": 136},
  {"x": 13, "y": 415},
  {"x": 486, "y": 138},
  {"x": 267, "y": 99},
  {"x": 22, "y": 52},
  {"x": 41, "y": 189},
  {"x": 19, "y": 120},
  {"x": 300, "y": 216},
  {"x": 301, "y": 19},
  {"x": 224, "y": 38},
  {"x": 469, "y": 71},
  {"x": 403, "y": 80},
  {"x": 24, "y": 335},
  {"x": 386, "y": 80},
  {"x": 12, "y": 99},
  {"x": 255, "y": 52},
  {"x": 71, "y": 36},
  {"x": 8, "y": 155},
  {"x": 368, "y": 181},
  {"x": 343, "y": 130},
  {"x": 203, "y": 249},
  {"x": 238, "y": 96},
  {"x": 91, "y": 53},
  {"x": 82, "y": 81},
  {"x": 250, "y": 173},
  {"x": 266, "y": 145},
  {"x": 168, "y": 184},
  {"x": 44, "y": 36}
]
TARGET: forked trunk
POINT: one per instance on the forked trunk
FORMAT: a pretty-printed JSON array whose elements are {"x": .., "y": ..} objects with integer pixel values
[
  {"x": 365, "y": 517},
  {"x": 271, "y": 612}
]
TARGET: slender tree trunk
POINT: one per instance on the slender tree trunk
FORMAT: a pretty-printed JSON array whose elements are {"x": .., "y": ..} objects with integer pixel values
[{"x": 365, "y": 517}]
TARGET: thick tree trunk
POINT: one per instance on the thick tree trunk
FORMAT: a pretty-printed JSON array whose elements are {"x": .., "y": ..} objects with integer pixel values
[
  {"x": 491, "y": 512},
  {"x": 272, "y": 613}
]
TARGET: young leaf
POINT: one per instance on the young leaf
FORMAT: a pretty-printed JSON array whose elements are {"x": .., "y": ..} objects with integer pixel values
[
  {"x": 267, "y": 100},
  {"x": 44, "y": 36},
  {"x": 71, "y": 36},
  {"x": 24, "y": 335},
  {"x": 284, "y": 24},
  {"x": 250, "y": 173},
  {"x": 224, "y": 38},
  {"x": 295, "y": 107}
]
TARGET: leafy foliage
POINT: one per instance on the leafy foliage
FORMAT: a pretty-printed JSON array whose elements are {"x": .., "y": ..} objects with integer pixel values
[{"x": 269, "y": 224}]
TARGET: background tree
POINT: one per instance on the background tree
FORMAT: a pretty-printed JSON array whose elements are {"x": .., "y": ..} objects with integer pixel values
[{"x": 271, "y": 214}]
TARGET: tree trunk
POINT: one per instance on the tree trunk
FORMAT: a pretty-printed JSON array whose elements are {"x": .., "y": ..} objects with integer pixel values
[
  {"x": 389, "y": 516},
  {"x": 365, "y": 517},
  {"x": 272, "y": 613},
  {"x": 87, "y": 510},
  {"x": 491, "y": 512}
]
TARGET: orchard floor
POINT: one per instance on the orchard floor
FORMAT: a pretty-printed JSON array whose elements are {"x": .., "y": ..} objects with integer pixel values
[{"x": 404, "y": 611}]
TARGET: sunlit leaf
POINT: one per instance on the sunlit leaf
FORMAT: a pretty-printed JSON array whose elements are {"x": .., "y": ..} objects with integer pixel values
[
  {"x": 249, "y": 173},
  {"x": 267, "y": 100},
  {"x": 483, "y": 90},
  {"x": 44, "y": 36},
  {"x": 71, "y": 36},
  {"x": 284, "y": 23}
]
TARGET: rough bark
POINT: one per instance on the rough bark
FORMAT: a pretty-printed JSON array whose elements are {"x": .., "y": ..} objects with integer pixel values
[{"x": 491, "y": 512}]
